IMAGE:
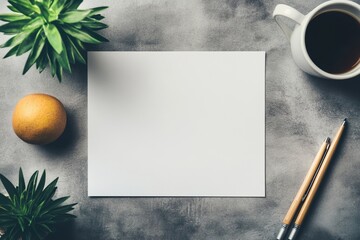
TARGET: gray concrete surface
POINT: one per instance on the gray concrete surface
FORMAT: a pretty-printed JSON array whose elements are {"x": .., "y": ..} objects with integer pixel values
[{"x": 300, "y": 112}]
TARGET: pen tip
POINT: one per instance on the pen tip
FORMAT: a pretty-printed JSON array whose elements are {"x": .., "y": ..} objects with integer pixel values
[
  {"x": 345, "y": 121},
  {"x": 327, "y": 140}
]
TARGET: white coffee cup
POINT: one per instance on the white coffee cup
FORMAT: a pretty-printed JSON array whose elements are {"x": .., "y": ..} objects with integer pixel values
[{"x": 296, "y": 36}]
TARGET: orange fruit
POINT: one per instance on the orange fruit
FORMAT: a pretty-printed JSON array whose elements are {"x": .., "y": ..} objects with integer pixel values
[{"x": 39, "y": 119}]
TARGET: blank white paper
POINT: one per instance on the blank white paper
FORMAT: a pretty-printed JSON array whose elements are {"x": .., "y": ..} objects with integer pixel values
[{"x": 176, "y": 124}]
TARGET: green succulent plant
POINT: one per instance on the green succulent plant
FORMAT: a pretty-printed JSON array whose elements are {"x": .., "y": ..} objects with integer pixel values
[
  {"x": 55, "y": 32},
  {"x": 30, "y": 212}
]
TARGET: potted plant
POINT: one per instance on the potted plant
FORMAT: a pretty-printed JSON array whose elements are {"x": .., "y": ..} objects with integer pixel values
[
  {"x": 28, "y": 211},
  {"x": 55, "y": 32}
]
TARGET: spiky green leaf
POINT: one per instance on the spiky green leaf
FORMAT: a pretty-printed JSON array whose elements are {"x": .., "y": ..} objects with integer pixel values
[
  {"x": 4, "y": 200},
  {"x": 41, "y": 64},
  {"x": 97, "y": 10},
  {"x": 27, "y": 44},
  {"x": 25, "y": 217},
  {"x": 8, "y": 186},
  {"x": 59, "y": 20},
  {"x": 59, "y": 72},
  {"x": 70, "y": 53},
  {"x": 41, "y": 184},
  {"x": 63, "y": 60},
  {"x": 95, "y": 35},
  {"x": 17, "y": 39},
  {"x": 97, "y": 17},
  {"x": 77, "y": 53},
  {"x": 83, "y": 36},
  {"x": 52, "y": 62},
  {"x": 25, "y": 7},
  {"x": 33, "y": 24},
  {"x": 74, "y": 16},
  {"x": 13, "y": 27},
  {"x": 21, "y": 181},
  {"x": 13, "y": 9},
  {"x": 35, "y": 52},
  {"x": 54, "y": 204},
  {"x": 11, "y": 52},
  {"x": 45, "y": 11},
  {"x": 53, "y": 36},
  {"x": 93, "y": 24},
  {"x": 48, "y": 191},
  {"x": 46, "y": 3},
  {"x": 58, "y": 5},
  {"x": 63, "y": 209},
  {"x": 74, "y": 4},
  {"x": 31, "y": 185},
  {"x": 11, "y": 17}
]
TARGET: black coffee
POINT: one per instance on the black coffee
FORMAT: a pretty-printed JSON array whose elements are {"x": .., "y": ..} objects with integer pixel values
[{"x": 333, "y": 41}]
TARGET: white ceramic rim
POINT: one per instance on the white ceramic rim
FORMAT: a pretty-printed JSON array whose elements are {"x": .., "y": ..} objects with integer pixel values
[{"x": 308, "y": 18}]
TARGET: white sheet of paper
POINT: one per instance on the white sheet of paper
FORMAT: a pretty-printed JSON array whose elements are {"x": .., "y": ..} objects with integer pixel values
[{"x": 176, "y": 124}]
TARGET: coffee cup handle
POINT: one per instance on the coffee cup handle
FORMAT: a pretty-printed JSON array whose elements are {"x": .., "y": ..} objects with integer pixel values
[{"x": 288, "y": 12}]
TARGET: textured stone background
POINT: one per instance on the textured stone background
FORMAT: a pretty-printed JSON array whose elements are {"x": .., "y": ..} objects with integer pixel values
[{"x": 300, "y": 112}]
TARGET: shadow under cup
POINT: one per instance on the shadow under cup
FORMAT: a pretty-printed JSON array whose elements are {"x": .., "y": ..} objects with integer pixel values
[{"x": 332, "y": 40}]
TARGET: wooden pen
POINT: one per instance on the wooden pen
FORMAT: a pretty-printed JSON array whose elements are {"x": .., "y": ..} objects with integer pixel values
[
  {"x": 316, "y": 183},
  {"x": 301, "y": 194}
]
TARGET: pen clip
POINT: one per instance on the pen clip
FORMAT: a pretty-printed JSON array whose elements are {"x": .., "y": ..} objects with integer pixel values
[{"x": 317, "y": 171}]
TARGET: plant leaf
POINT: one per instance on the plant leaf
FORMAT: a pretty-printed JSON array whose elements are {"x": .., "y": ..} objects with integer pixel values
[
  {"x": 35, "y": 52},
  {"x": 21, "y": 224},
  {"x": 16, "y": 40},
  {"x": 12, "y": 52},
  {"x": 46, "y": 3},
  {"x": 54, "y": 37},
  {"x": 13, "y": 9},
  {"x": 97, "y": 10},
  {"x": 63, "y": 209},
  {"x": 25, "y": 7},
  {"x": 93, "y": 24},
  {"x": 80, "y": 35},
  {"x": 47, "y": 228},
  {"x": 31, "y": 185},
  {"x": 58, "y": 5},
  {"x": 95, "y": 35},
  {"x": 34, "y": 24},
  {"x": 8, "y": 186},
  {"x": 44, "y": 11},
  {"x": 41, "y": 184},
  {"x": 74, "y": 4},
  {"x": 56, "y": 203},
  {"x": 48, "y": 191},
  {"x": 77, "y": 53},
  {"x": 13, "y": 27},
  {"x": 4, "y": 200},
  {"x": 14, "y": 233},
  {"x": 98, "y": 17},
  {"x": 59, "y": 72},
  {"x": 52, "y": 62},
  {"x": 11, "y": 17},
  {"x": 70, "y": 52},
  {"x": 27, "y": 44},
  {"x": 41, "y": 64},
  {"x": 74, "y": 16},
  {"x": 21, "y": 181},
  {"x": 63, "y": 60}
]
